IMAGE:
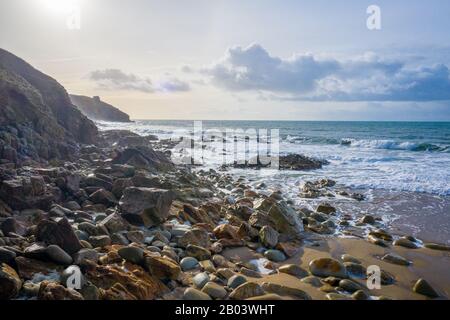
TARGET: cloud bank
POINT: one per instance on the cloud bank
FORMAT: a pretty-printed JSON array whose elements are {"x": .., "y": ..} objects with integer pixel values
[
  {"x": 313, "y": 78},
  {"x": 115, "y": 79}
]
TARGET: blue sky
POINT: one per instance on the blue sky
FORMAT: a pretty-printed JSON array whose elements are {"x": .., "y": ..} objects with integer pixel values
[{"x": 254, "y": 59}]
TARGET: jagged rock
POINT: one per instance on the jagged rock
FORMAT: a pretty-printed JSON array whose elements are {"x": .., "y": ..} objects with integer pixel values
[
  {"x": 6, "y": 256},
  {"x": 103, "y": 196},
  {"x": 326, "y": 208},
  {"x": 268, "y": 236},
  {"x": 94, "y": 181},
  {"x": 85, "y": 254},
  {"x": 162, "y": 267},
  {"x": 54, "y": 291},
  {"x": 10, "y": 282},
  {"x": 196, "y": 236},
  {"x": 146, "y": 206},
  {"x": 100, "y": 241},
  {"x": 59, "y": 233},
  {"x": 18, "y": 194},
  {"x": 28, "y": 268},
  {"x": 286, "y": 162},
  {"x": 226, "y": 231},
  {"x": 114, "y": 223},
  {"x": 131, "y": 284},
  {"x": 198, "y": 252},
  {"x": 286, "y": 220},
  {"x": 144, "y": 157}
]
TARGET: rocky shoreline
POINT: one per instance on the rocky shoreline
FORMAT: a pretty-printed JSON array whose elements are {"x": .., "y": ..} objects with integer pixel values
[{"x": 137, "y": 227}]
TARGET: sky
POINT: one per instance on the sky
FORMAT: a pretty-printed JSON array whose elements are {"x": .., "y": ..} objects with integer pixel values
[{"x": 248, "y": 60}]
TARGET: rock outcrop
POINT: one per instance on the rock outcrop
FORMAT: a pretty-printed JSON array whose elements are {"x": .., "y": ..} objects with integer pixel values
[
  {"x": 37, "y": 119},
  {"x": 96, "y": 109}
]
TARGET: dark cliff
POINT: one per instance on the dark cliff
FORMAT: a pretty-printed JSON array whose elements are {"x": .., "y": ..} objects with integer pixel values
[
  {"x": 96, "y": 109},
  {"x": 37, "y": 118}
]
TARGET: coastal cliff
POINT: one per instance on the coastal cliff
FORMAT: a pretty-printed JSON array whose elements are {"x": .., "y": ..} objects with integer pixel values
[
  {"x": 96, "y": 109},
  {"x": 37, "y": 119}
]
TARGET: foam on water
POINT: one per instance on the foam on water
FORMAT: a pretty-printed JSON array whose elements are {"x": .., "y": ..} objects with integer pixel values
[{"x": 391, "y": 156}]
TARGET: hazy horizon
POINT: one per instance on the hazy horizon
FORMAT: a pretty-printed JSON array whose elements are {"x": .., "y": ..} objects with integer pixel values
[{"x": 228, "y": 60}]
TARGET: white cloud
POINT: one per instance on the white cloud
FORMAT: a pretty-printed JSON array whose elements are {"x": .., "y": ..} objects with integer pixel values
[
  {"x": 115, "y": 79},
  {"x": 309, "y": 77}
]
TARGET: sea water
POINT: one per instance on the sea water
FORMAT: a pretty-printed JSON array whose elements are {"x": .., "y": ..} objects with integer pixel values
[{"x": 403, "y": 167}]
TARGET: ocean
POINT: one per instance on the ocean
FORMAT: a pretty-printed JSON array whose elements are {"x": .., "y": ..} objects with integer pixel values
[{"x": 402, "y": 167}]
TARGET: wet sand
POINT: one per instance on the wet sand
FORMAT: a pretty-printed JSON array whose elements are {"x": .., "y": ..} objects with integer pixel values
[{"x": 434, "y": 266}]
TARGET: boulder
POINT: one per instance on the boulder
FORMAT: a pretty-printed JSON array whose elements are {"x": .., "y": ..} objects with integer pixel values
[
  {"x": 326, "y": 208},
  {"x": 132, "y": 254},
  {"x": 247, "y": 290},
  {"x": 132, "y": 283},
  {"x": 396, "y": 259},
  {"x": 327, "y": 267},
  {"x": 104, "y": 197},
  {"x": 188, "y": 263},
  {"x": 10, "y": 282},
  {"x": 293, "y": 270},
  {"x": 226, "y": 231},
  {"x": 194, "y": 294},
  {"x": 195, "y": 236},
  {"x": 114, "y": 223},
  {"x": 162, "y": 267},
  {"x": 53, "y": 291},
  {"x": 268, "y": 236},
  {"x": 424, "y": 288},
  {"x": 146, "y": 206},
  {"x": 198, "y": 252},
  {"x": 275, "y": 255},
  {"x": 144, "y": 157},
  {"x": 214, "y": 290},
  {"x": 59, "y": 233},
  {"x": 200, "y": 280},
  {"x": 285, "y": 291}
]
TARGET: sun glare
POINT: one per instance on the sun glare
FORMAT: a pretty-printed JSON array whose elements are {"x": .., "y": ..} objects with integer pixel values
[{"x": 60, "y": 6}]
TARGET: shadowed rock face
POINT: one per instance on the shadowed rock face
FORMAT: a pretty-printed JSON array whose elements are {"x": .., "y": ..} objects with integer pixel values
[
  {"x": 96, "y": 109},
  {"x": 37, "y": 118}
]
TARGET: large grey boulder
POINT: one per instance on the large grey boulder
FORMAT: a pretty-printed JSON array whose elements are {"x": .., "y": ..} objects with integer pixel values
[{"x": 146, "y": 206}]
